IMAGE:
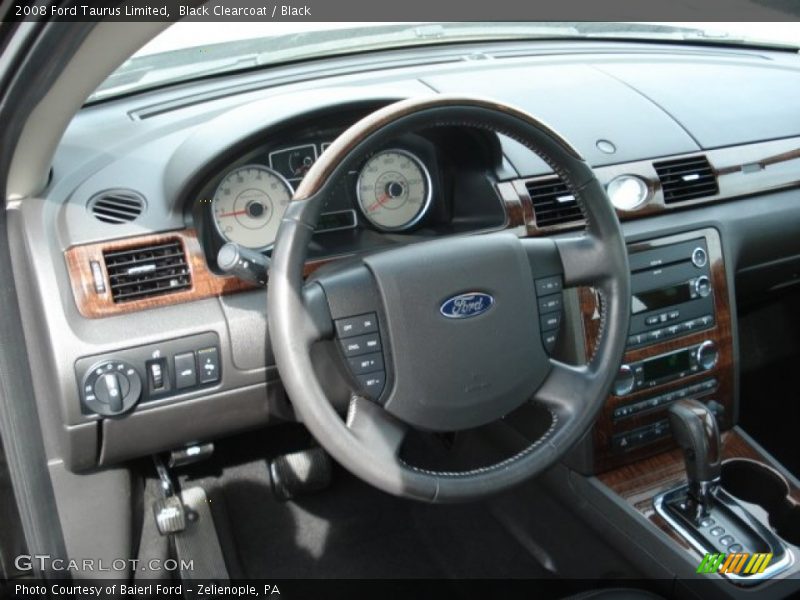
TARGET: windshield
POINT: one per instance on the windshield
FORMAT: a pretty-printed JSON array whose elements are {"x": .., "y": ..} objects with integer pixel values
[{"x": 190, "y": 50}]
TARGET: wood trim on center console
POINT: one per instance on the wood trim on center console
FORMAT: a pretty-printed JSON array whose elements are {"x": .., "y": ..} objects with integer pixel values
[
  {"x": 640, "y": 482},
  {"x": 605, "y": 428}
]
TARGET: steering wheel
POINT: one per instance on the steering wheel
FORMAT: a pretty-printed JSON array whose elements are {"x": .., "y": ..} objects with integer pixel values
[{"x": 443, "y": 373}]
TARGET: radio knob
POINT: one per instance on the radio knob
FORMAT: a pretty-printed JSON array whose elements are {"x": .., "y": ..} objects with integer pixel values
[
  {"x": 625, "y": 381},
  {"x": 699, "y": 257},
  {"x": 707, "y": 355},
  {"x": 702, "y": 285}
]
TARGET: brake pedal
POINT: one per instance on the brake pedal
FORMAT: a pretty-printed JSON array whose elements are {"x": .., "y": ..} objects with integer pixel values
[{"x": 300, "y": 473}]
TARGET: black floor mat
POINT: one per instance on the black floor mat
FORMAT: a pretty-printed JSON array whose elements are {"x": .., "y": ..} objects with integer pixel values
[{"x": 352, "y": 530}]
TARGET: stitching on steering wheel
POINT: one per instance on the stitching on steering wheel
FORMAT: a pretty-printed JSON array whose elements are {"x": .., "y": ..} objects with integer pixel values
[{"x": 543, "y": 438}]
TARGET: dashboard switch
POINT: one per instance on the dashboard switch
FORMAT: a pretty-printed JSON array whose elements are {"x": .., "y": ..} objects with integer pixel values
[
  {"x": 157, "y": 375},
  {"x": 185, "y": 371},
  {"x": 208, "y": 359}
]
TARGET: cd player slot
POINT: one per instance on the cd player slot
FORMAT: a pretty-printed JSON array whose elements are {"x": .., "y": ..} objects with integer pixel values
[{"x": 648, "y": 260}]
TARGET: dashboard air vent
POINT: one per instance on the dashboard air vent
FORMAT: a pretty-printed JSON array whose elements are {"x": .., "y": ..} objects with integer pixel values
[
  {"x": 553, "y": 203},
  {"x": 117, "y": 206},
  {"x": 147, "y": 271},
  {"x": 686, "y": 178}
]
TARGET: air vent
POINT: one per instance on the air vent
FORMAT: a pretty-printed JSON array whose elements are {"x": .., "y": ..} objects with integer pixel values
[
  {"x": 147, "y": 271},
  {"x": 686, "y": 179},
  {"x": 117, "y": 206},
  {"x": 553, "y": 203}
]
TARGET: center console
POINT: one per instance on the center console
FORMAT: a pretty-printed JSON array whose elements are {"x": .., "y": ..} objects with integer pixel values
[
  {"x": 679, "y": 345},
  {"x": 665, "y": 448}
]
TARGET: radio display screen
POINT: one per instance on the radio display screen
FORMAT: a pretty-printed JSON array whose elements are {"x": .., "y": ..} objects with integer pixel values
[
  {"x": 666, "y": 366},
  {"x": 662, "y": 298}
]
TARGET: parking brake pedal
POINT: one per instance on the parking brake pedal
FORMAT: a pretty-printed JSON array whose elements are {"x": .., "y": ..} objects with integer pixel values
[
  {"x": 169, "y": 511},
  {"x": 185, "y": 516},
  {"x": 300, "y": 473}
]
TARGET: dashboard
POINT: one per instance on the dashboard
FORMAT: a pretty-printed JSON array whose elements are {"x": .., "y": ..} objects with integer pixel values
[{"x": 121, "y": 252}]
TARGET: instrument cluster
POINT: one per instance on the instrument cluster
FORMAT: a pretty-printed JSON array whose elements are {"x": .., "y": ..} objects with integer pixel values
[{"x": 392, "y": 191}]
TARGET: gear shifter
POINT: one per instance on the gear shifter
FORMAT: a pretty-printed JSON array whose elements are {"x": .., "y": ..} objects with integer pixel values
[{"x": 695, "y": 429}]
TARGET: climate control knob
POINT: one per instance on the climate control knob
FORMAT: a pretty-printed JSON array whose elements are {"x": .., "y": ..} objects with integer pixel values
[
  {"x": 625, "y": 381},
  {"x": 111, "y": 388},
  {"x": 707, "y": 355}
]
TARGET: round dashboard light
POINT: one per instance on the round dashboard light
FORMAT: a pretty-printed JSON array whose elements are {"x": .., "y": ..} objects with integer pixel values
[{"x": 627, "y": 192}]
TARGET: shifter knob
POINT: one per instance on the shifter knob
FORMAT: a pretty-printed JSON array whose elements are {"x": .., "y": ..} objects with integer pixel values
[{"x": 695, "y": 430}]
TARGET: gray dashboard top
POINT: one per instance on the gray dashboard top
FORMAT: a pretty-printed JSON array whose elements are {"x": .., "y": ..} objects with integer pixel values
[{"x": 649, "y": 102}]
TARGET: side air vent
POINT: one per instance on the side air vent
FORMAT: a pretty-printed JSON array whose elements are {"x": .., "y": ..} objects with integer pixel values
[
  {"x": 553, "y": 203},
  {"x": 147, "y": 271},
  {"x": 686, "y": 179},
  {"x": 117, "y": 206}
]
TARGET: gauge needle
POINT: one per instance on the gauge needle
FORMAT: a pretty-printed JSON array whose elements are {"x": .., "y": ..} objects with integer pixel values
[
  {"x": 232, "y": 214},
  {"x": 379, "y": 202}
]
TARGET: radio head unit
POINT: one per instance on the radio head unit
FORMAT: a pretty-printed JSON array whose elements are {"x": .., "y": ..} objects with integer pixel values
[{"x": 672, "y": 293}]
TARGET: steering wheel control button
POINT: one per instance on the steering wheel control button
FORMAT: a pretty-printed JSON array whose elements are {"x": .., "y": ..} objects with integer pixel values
[
  {"x": 549, "y": 285},
  {"x": 699, "y": 257},
  {"x": 550, "y": 321},
  {"x": 359, "y": 325},
  {"x": 111, "y": 388},
  {"x": 372, "y": 383},
  {"x": 551, "y": 303},
  {"x": 367, "y": 363},
  {"x": 208, "y": 363},
  {"x": 549, "y": 339},
  {"x": 361, "y": 344},
  {"x": 185, "y": 371}
]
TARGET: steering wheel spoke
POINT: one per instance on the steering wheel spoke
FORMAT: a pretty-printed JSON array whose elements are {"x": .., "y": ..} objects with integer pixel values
[
  {"x": 319, "y": 323},
  {"x": 584, "y": 260},
  {"x": 376, "y": 428},
  {"x": 566, "y": 390}
]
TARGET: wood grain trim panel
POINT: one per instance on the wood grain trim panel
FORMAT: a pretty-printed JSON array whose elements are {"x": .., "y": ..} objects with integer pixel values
[
  {"x": 639, "y": 482},
  {"x": 741, "y": 171},
  {"x": 605, "y": 427},
  {"x": 205, "y": 284}
]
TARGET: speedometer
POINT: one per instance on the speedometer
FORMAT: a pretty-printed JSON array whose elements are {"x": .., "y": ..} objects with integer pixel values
[
  {"x": 249, "y": 204},
  {"x": 394, "y": 190}
]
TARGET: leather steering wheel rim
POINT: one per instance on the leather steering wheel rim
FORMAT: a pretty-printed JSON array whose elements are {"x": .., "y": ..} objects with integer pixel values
[{"x": 367, "y": 443}]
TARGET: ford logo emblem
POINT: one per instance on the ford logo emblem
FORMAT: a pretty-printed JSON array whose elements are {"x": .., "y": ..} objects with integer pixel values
[{"x": 466, "y": 305}]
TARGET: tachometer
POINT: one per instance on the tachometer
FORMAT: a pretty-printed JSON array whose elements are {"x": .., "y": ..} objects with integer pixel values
[
  {"x": 394, "y": 190},
  {"x": 249, "y": 204}
]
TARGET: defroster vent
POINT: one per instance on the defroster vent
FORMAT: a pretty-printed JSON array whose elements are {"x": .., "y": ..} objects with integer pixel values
[{"x": 147, "y": 271}]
